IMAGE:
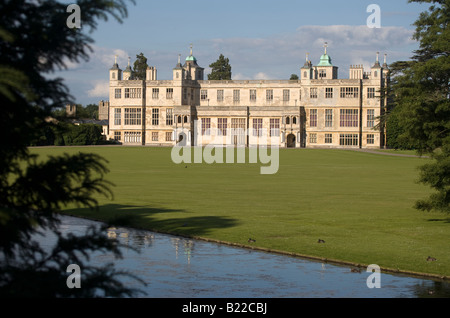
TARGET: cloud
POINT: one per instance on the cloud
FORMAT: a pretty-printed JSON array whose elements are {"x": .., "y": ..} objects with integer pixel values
[
  {"x": 283, "y": 54},
  {"x": 100, "y": 89}
]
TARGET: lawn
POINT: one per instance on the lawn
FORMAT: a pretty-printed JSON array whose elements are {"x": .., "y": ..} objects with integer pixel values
[{"x": 360, "y": 204}]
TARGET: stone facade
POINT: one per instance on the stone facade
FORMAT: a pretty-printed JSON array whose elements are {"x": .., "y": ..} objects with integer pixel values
[{"x": 318, "y": 110}]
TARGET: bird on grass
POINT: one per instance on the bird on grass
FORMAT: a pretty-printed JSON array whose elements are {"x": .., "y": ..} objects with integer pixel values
[
  {"x": 320, "y": 241},
  {"x": 251, "y": 240},
  {"x": 430, "y": 259}
]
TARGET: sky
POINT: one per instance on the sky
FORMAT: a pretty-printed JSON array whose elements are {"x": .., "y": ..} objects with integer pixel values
[{"x": 262, "y": 39}]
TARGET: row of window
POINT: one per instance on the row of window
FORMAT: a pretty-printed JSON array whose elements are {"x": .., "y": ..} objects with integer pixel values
[
  {"x": 137, "y": 93},
  {"x": 345, "y": 92},
  {"x": 348, "y": 118},
  {"x": 136, "y": 137},
  {"x": 344, "y": 139},
  {"x": 238, "y": 126}
]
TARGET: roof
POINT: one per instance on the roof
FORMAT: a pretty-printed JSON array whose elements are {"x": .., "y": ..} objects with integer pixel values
[{"x": 325, "y": 60}]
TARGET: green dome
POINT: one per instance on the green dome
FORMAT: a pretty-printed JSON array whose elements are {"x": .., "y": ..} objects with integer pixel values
[
  {"x": 325, "y": 60},
  {"x": 191, "y": 58}
]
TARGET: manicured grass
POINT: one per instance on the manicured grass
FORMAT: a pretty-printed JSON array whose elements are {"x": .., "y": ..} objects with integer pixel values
[{"x": 360, "y": 204}]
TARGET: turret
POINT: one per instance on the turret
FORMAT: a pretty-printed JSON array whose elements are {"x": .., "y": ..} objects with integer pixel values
[
  {"x": 115, "y": 73},
  {"x": 127, "y": 72}
]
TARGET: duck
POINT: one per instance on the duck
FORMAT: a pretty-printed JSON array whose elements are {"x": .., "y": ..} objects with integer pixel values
[
  {"x": 320, "y": 241},
  {"x": 251, "y": 240},
  {"x": 355, "y": 270},
  {"x": 430, "y": 259}
]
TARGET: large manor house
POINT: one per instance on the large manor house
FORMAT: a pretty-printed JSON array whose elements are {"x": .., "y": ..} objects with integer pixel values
[{"x": 317, "y": 110}]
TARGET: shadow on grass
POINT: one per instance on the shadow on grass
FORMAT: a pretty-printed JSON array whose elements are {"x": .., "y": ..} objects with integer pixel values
[
  {"x": 153, "y": 219},
  {"x": 444, "y": 220}
]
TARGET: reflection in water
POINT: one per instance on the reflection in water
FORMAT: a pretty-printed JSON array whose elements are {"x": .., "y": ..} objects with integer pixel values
[{"x": 179, "y": 267}]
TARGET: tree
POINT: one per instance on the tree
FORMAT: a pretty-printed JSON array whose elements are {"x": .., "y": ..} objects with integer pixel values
[
  {"x": 294, "y": 77},
  {"x": 140, "y": 67},
  {"x": 35, "y": 41},
  {"x": 422, "y": 101},
  {"x": 220, "y": 69}
]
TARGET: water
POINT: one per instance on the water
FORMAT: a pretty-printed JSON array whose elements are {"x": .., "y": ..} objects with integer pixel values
[{"x": 175, "y": 267}]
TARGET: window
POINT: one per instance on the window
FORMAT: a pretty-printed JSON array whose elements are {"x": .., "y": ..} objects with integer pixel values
[
  {"x": 168, "y": 136},
  {"x": 206, "y": 126},
  {"x": 155, "y": 116},
  {"x": 236, "y": 96},
  {"x": 127, "y": 93},
  {"x": 287, "y": 120},
  {"x": 221, "y": 126},
  {"x": 286, "y": 95},
  {"x": 203, "y": 94},
  {"x": 328, "y": 118},
  {"x": 322, "y": 74},
  {"x": 117, "y": 116},
  {"x": 220, "y": 95},
  {"x": 348, "y": 139},
  {"x": 185, "y": 119},
  {"x": 305, "y": 74},
  {"x": 300, "y": 95},
  {"x": 312, "y": 138},
  {"x": 370, "y": 92},
  {"x": 118, "y": 93},
  {"x": 313, "y": 92},
  {"x": 132, "y": 137},
  {"x": 329, "y": 92},
  {"x": 184, "y": 93},
  {"x": 349, "y": 118},
  {"x": 117, "y": 135},
  {"x": 349, "y": 92},
  {"x": 274, "y": 127},
  {"x": 113, "y": 75},
  {"x": 294, "y": 120},
  {"x": 169, "y": 93},
  {"x": 155, "y": 136},
  {"x": 269, "y": 95},
  {"x": 169, "y": 117},
  {"x": 370, "y": 139},
  {"x": 370, "y": 117},
  {"x": 179, "y": 119},
  {"x": 132, "y": 116},
  {"x": 253, "y": 95},
  {"x": 135, "y": 92},
  {"x": 313, "y": 118},
  {"x": 257, "y": 127},
  {"x": 155, "y": 93},
  {"x": 328, "y": 138}
]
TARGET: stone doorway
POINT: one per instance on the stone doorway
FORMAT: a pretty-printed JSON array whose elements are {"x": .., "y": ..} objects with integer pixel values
[{"x": 290, "y": 141}]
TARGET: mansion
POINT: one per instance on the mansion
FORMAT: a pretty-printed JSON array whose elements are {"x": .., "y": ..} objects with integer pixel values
[{"x": 317, "y": 110}]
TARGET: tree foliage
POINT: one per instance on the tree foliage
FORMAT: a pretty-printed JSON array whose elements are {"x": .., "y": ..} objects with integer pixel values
[
  {"x": 140, "y": 67},
  {"x": 35, "y": 41},
  {"x": 220, "y": 69},
  {"x": 422, "y": 101}
]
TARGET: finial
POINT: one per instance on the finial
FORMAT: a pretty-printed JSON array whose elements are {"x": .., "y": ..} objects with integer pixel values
[
  {"x": 325, "y": 46},
  {"x": 179, "y": 58},
  {"x": 191, "y": 49},
  {"x": 385, "y": 55},
  {"x": 115, "y": 59},
  {"x": 378, "y": 53},
  {"x": 129, "y": 61},
  {"x": 307, "y": 56}
]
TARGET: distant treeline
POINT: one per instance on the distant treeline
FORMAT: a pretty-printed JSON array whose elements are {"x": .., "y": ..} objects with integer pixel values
[{"x": 68, "y": 134}]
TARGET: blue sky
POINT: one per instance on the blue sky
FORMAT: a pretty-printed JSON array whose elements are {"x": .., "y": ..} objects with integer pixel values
[{"x": 263, "y": 39}]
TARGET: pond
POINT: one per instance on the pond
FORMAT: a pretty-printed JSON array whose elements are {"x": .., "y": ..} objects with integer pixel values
[{"x": 176, "y": 267}]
